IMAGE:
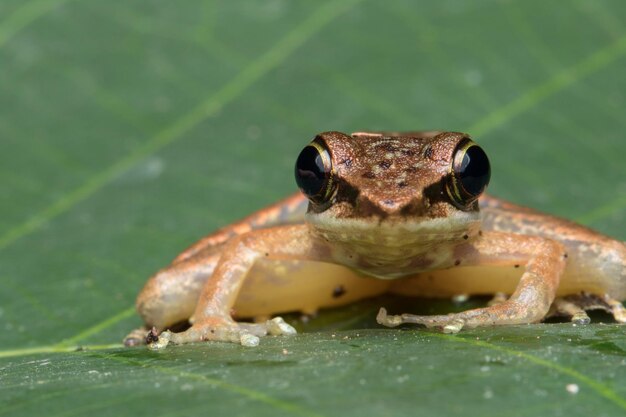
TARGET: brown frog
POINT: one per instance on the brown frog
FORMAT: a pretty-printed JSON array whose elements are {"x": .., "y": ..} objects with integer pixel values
[{"x": 384, "y": 212}]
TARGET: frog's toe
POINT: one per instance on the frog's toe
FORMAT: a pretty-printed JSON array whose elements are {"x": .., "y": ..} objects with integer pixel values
[
  {"x": 157, "y": 342},
  {"x": 575, "y": 307},
  {"x": 617, "y": 309},
  {"x": 246, "y": 334},
  {"x": 572, "y": 309},
  {"x": 136, "y": 337},
  {"x": 448, "y": 324},
  {"x": 274, "y": 327},
  {"x": 277, "y": 327},
  {"x": 498, "y": 298},
  {"x": 387, "y": 320}
]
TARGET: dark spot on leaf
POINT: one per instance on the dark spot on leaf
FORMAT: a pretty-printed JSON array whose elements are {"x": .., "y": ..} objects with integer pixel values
[
  {"x": 516, "y": 265},
  {"x": 465, "y": 237},
  {"x": 457, "y": 262}
]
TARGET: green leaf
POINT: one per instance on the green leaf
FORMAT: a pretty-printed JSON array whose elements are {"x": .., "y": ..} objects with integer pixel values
[{"x": 130, "y": 129}]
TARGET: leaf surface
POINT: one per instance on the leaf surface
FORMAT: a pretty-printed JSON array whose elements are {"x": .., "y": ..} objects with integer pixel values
[{"x": 130, "y": 129}]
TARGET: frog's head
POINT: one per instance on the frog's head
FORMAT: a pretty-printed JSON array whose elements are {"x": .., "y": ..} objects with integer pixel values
[
  {"x": 392, "y": 177},
  {"x": 393, "y": 204}
]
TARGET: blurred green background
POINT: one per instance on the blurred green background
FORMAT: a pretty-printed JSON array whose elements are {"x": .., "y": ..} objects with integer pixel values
[{"x": 130, "y": 129}]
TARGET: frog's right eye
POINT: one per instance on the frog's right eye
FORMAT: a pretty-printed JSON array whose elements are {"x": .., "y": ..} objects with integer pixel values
[
  {"x": 469, "y": 174},
  {"x": 314, "y": 173}
]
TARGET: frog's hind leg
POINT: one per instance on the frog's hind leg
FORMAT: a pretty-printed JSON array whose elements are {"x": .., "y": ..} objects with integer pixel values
[
  {"x": 544, "y": 260},
  {"x": 575, "y": 307}
]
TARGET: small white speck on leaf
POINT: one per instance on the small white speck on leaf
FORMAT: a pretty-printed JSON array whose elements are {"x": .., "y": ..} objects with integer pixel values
[
  {"x": 473, "y": 78},
  {"x": 402, "y": 379},
  {"x": 572, "y": 388},
  {"x": 488, "y": 394}
]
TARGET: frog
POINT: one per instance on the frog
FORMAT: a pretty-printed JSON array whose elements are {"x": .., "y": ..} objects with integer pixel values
[{"x": 383, "y": 212}]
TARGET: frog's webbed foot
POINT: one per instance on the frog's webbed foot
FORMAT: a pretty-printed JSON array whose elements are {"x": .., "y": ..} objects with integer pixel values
[
  {"x": 222, "y": 330},
  {"x": 575, "y": 307}
]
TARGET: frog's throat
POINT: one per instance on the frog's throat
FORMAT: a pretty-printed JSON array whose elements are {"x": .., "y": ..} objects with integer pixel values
[{"x": 394, "y": 249}]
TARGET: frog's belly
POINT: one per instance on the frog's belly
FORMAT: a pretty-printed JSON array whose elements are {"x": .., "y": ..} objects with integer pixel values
[
  {"x": 489, "y": 280},
  {"x": 282, "y": 286}
]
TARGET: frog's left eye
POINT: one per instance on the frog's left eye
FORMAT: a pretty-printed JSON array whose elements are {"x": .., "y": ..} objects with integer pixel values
[
  {"x": 314, "y": 173},
  {"x": 470, "y": 174}
]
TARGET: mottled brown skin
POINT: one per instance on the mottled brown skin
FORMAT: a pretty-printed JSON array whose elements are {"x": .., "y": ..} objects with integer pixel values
[{"x": 390, "y": 216}]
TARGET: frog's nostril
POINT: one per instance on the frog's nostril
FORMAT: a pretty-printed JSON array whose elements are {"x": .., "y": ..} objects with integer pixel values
[{"x": 390, "y": 203}]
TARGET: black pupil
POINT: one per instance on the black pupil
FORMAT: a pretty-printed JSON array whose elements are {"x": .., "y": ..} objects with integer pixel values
[
  {"x": 311, "y": 173},
  {"x": 475, "y": 171}
]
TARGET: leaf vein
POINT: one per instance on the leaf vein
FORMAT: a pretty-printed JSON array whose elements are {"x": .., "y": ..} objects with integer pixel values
[
  {"x": 24, "y": 16},
  {"x": 232, "y": 90}
]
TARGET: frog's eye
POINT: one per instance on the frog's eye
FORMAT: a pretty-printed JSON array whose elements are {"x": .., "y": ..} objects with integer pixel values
[
  {"x": 314, "y": 173},
  {"x": 470, "y": 174}
]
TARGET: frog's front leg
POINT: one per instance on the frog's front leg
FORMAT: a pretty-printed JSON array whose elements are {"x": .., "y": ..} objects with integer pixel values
[
  {"x": 212, "y": 317},
  {"x": 544, "y": 260}
]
